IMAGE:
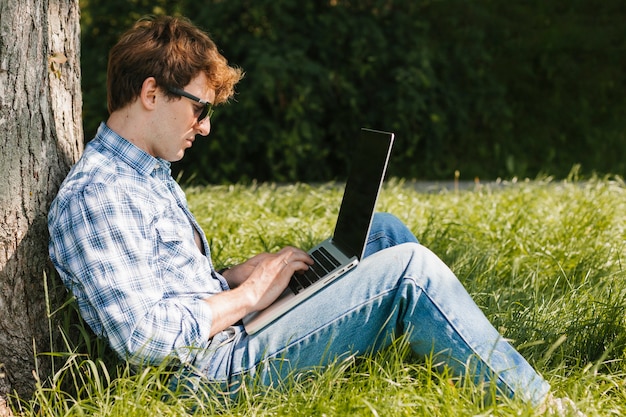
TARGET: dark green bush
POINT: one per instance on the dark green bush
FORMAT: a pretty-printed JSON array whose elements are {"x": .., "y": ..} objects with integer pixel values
[{"x": 492, "y": 89}]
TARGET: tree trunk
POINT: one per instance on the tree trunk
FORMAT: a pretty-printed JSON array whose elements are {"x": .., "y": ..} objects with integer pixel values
[{"x": 40, "y": 138}]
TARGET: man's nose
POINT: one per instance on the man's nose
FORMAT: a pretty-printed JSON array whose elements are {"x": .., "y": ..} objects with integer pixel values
[{"x": 204, "y": 126}]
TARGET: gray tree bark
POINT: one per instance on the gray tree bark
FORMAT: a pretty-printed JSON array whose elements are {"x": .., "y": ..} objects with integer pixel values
[{"x": 40, "y": 138}]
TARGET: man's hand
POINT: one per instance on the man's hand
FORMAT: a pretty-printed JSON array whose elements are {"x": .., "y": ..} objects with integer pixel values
[
  {"x": 269, "y": 275},
  {"x": 258, "y": 281},
  {"x": 236, "y": 275}
]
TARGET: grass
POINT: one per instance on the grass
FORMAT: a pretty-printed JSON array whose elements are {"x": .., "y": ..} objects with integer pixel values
[{"x": 543, "y": 259}]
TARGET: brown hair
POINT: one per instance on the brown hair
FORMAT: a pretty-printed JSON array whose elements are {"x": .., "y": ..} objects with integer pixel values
[{"x": 173, "y": 51}]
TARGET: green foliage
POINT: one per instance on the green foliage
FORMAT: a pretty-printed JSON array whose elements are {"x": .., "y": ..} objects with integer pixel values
[
  {"x": 316, "y": 72},
  {"x": 542, "y": 259},
  {"x": 492, "y": 89}
]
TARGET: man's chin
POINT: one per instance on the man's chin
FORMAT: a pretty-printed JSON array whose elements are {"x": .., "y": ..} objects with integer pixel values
[{"x": 177, "y": 157}]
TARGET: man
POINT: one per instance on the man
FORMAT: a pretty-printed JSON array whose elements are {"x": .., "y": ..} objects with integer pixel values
[{"x": 125, "y": 243}]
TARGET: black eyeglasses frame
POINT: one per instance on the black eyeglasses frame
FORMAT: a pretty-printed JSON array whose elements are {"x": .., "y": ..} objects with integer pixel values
[{"x": 207, "y": 111}]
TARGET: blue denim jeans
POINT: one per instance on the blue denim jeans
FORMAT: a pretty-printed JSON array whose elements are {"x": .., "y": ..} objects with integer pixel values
[{"x": 399, "y": 288}]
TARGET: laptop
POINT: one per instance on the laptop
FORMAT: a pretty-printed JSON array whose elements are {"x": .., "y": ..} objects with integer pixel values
[{"x": 340, "y": 253}]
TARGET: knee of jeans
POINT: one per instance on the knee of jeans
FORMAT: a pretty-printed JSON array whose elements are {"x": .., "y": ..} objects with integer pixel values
[
  {"x": 425, "y": 268},
  {"x": 392, "y": 227}
]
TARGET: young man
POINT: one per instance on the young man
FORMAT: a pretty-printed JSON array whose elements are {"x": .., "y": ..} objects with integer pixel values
[{"x": 125, "y": 243}]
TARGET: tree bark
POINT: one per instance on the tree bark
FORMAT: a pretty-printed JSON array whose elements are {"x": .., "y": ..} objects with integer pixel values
[{"x": 40, "y": 138}]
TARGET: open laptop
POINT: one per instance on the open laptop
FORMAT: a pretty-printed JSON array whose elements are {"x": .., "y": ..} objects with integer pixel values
[{"x": 340, "y": 253}]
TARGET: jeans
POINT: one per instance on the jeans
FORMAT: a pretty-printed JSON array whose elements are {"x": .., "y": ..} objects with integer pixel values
[{"x": 399, "y": 288}]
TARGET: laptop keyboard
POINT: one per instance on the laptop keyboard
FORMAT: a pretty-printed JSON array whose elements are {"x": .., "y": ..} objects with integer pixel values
[{"x": 324, "y": 263}]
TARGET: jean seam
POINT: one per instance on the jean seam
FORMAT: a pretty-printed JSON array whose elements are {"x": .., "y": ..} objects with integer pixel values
[{"x": 380, "y": 236}]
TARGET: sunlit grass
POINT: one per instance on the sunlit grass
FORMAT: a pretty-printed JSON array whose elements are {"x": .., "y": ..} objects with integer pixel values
[{"x": 543, "y": 259}]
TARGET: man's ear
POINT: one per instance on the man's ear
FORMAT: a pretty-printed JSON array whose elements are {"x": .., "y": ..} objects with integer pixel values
[{"x": 148, "y": 95}]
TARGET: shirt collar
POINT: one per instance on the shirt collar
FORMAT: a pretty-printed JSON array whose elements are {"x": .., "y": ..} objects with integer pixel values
[{"x": 136, "y": 158}]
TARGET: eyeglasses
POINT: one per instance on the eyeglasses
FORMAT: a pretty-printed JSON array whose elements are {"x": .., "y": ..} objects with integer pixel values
[{"x": 207, "y": 110}]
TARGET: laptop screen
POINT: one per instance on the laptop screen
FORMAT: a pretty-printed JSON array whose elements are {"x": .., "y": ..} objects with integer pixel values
[{"x": 367, "y": 171}]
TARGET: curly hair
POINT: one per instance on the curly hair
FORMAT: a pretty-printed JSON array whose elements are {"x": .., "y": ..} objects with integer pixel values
[{"x": 173, "y": 51}]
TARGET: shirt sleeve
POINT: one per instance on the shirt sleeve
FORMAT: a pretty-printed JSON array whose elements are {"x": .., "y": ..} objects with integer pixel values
[{"x": 138, "y": 280}]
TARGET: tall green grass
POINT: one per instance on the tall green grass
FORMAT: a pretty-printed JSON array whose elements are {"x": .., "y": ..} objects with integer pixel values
[{"x": 543, "y": 259}]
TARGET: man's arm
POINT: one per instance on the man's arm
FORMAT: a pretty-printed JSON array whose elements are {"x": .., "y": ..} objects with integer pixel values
[{"x": 257, "y": 283}]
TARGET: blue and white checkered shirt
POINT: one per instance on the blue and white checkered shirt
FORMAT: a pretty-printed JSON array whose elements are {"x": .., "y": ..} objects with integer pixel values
[{"x": 122, "y": 240}]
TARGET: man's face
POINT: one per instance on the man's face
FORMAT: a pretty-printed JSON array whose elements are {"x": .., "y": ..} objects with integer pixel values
[{"x": 176, "y": 121}]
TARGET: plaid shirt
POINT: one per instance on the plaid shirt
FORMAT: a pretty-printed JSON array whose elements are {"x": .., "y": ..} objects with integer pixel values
[{"x": 122, "y": 240}]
